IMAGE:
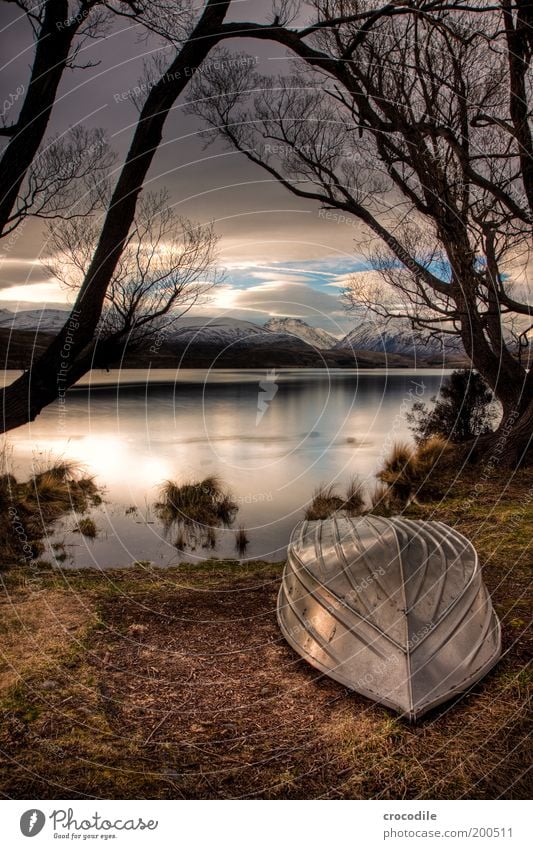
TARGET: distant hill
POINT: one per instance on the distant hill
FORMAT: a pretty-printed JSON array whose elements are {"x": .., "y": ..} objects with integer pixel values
[
  {"x": 399, "y": 338},
  {"x": 314, "y": 336},
  {"x": 46, "y": 320}
]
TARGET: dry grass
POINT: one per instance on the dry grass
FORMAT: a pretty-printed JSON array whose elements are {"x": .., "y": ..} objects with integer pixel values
[
  {"x": 87, "y": 527},
  {"x": 379, "y": 496},
  {"x": 37, "y": 626},
  {"x": 196, "y": 503},
  {"x": 409, "y": 470},
  {"x": 176, "y": 683},
  {"x": 327, "y": 500},
  {"x": 196, "y": 509},
  {"x": 354, "y": 501},
  {"x": 28, "y": 508}
]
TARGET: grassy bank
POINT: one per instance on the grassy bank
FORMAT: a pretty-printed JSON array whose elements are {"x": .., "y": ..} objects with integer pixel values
[{"x": 176, "y": 683}]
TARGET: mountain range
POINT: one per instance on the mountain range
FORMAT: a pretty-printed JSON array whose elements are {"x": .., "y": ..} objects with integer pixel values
[{"x": 232, "y": 343}]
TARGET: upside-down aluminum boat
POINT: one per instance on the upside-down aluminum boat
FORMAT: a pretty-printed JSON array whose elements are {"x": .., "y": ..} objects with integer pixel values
[{"x": 392, "y": 608}]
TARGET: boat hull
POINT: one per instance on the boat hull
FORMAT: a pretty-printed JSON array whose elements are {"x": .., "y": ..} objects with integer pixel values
[{"x": 391, "y": 608}]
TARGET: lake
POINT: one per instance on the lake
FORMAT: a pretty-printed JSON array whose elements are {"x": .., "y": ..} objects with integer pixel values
[{"x": 272, "y": 437}]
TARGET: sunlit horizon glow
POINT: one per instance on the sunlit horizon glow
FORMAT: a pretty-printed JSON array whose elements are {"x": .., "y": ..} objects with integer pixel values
[{"x": 43, "y": 294}]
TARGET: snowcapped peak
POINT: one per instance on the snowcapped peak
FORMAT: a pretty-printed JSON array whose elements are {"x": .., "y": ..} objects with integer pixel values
[{"x": 314, "y": 336}]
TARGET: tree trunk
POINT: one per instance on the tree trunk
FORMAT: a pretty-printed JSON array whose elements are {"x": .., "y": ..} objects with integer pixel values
[
  {"x": 519, "y": 40},
  {"x": 510, "y": 446},
  {"x": 24, "y": 399},
  {"x": 495, "y": 363},
  {"x": 51, "y": 54}
]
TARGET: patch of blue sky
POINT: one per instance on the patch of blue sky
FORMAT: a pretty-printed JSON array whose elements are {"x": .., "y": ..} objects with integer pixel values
[{"x": 314, "y": 273}]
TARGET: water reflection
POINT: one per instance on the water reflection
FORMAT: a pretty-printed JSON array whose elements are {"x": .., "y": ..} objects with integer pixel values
[{"x": 318, "y": 427}]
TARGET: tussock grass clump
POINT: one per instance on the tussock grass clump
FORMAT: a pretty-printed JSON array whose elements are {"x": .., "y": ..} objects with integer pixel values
[
  {"x": 407, "y": 470},
  {"x": 430, "y": 452},
  {"x": 355, "y": 499},
  {"x": 62, "y": 487},
  {"x": 87, "y": 527},
  {"x": 379, "y": 497},
  {"x": 241, "y": 540},
  {"x": 30, "y": 507},
  {"x": 196, "y": 502},
  {"x": 197, "y": 508},
  {"x": 327, "y": 500}
]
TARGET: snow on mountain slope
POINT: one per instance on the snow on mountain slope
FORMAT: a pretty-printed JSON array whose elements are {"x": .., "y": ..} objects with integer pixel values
[
  {"x": 314, "y": 336},
  {"x": 395, "y": 340},
  {"x": 39, "y": 319},
  {"x": 228, "y": 333},
  {"x": 221, "y": 331}
]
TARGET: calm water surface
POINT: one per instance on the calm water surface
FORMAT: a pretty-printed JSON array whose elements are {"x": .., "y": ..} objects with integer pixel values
[{"x": 272, "y": 438}]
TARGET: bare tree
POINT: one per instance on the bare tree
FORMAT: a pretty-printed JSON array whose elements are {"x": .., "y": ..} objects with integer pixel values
[
  {"x": 66, "y": 179},
  {"x": 403, "y": 121},
  {"x": 28, "y": 179},
  {"x": 191, "y": 37},
  {"x": 167, "y": 267}
]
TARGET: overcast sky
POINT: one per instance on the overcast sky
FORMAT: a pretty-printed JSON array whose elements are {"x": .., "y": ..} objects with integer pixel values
[{"x": 281, "y": 257}]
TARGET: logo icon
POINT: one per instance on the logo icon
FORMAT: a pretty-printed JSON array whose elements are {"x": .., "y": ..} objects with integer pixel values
[
  {"x": 268, "y": 389},
  {"x": 32, "y": 822}
]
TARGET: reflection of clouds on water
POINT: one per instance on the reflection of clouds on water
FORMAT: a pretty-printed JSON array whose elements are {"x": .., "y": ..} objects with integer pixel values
[
  {"x": 233, "y": 438},
  {"x": 133, "y": 438}
]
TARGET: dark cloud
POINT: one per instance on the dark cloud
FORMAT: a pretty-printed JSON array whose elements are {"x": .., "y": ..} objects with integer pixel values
[{"x": 256, "y": 218}]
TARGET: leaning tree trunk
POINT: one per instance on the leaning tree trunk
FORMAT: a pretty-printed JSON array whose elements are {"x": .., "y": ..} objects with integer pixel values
[
  {"x": 51, "y": 56},
  {"x": 59, "y": 366}
]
